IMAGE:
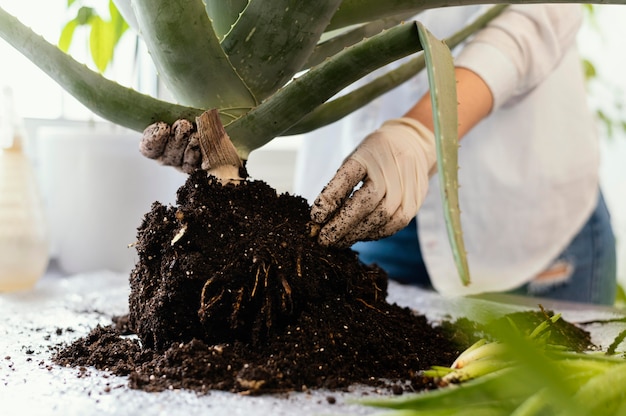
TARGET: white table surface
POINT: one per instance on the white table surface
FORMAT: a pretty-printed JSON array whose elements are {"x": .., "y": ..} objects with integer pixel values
[{"x": 61, "y": 309}]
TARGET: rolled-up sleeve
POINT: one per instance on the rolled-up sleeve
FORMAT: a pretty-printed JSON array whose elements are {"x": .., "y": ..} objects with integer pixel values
[{"x": 519, "y": 48}]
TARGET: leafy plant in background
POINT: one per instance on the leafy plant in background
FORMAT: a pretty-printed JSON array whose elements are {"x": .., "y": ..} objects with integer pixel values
[
  {"x": 609, "y": 112},
  {"x": 104, "y": 32}
]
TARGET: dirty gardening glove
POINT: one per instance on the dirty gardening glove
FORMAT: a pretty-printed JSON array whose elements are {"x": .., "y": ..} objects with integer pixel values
[
  {"x": 394, "y": 164},
  {"x": 176, "y": 145}
]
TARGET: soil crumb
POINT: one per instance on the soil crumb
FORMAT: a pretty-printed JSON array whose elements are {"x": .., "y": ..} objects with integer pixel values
[{"x": 231, "y": 292}]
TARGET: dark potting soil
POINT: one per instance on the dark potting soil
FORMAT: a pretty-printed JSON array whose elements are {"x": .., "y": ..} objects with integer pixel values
[{"x": 231, "y": 292}]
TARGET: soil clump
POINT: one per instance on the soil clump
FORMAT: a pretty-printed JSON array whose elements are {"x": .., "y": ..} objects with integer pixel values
[{"x": 231, "y": 292}]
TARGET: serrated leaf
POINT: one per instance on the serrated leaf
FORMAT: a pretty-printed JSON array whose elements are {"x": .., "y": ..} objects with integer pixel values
[
  {"x": 335, "y": 42},
  {"x": 188, "y": 56},
  {"x": 298, "y": 98},
  {"x": 340, "y": 107},
  {"x": 271, "y": 41},
  {"x": 224, "y": 13},
  {"x": 441, "y": 79},
  {"x": 347, "y": 103},
  {"x": 354, "y": 12}
]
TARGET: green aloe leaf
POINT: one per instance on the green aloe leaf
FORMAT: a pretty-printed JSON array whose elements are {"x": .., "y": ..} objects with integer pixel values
[
  {"x": 354, "y": 12},
  {"x": 294, "y": 101},
  {"x": 271, "y": 41},
  {"x": 108, "y": 99},
  {"x": 333, "y": 44},
  {"x": 440, "y": 70},
  {"x": 188, "y": 56},
  {"x": 224, "y": 14},
  {"x": 338, "y": 108}
]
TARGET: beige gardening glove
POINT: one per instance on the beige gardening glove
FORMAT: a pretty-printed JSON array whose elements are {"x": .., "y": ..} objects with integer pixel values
[
  {"x": 176, "y": 145},
  {"x": 393, "y": 164}
]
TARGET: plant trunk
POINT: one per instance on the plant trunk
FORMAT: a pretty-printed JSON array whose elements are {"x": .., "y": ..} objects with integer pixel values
[{"x": 219, "y": 156}]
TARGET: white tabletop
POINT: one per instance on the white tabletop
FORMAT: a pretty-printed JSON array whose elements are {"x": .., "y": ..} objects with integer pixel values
[{"x": 61, "y": 309}]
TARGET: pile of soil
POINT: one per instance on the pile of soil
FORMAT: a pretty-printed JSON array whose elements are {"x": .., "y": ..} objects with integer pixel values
[{"x": 232, "y": 292}]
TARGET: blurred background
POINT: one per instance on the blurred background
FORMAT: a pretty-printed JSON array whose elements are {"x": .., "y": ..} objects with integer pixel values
[{"x": 93, "y": 201}]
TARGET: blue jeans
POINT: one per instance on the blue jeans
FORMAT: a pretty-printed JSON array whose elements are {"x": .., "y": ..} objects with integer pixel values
[{"x": 587, "y": 266}]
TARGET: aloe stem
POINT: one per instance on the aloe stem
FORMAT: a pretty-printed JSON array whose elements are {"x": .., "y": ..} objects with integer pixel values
[
  {"x": 215, "y": 145},
  {"x": 219, "y": 156}
]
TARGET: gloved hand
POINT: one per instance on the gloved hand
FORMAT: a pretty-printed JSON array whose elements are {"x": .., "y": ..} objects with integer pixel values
[
  {"x": 394, "y": 164},
  {"x": 176, "y": 146}
]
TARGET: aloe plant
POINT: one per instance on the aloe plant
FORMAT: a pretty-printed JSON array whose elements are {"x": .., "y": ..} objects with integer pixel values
[{"x": 243, "y": 58}]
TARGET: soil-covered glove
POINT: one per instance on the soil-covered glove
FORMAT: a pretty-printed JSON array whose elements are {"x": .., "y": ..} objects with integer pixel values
[
  {"x": 176, "y": 145},
  {"x": 393, "y": 164}
]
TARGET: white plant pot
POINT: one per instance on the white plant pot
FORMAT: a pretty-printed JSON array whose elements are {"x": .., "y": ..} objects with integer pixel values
[{"x": 97, "y": 188}]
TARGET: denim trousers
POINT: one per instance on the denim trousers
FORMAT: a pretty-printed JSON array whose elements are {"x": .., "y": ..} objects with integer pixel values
[{"x": 584, "y": 272}]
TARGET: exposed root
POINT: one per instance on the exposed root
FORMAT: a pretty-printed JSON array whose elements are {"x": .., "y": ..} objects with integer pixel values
[{"x": 368, "y": 305}]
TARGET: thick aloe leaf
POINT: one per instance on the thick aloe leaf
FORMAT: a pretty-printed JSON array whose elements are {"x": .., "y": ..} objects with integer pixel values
[
  {"x": 106, "y": 98},
  {"x": 188, "y": 56},
  {"x": 272, "y": 40},
  {"x": 290, "y": 104},
  {"x": 223, "y": 14},
  {"x": 354, "y": 12},
  {"x": 441, "y": 79},
  {"x": 333, "y": 44},
  {"x": 338, "y": 108}
]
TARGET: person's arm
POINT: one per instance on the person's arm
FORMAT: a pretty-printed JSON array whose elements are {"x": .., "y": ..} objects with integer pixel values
[
  {"x": 521, "y": 47},
  {"x": 474, "y": 102}
]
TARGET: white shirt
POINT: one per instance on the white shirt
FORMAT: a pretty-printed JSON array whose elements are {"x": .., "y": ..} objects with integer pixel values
[{"x": 528, "y": 173}]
